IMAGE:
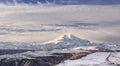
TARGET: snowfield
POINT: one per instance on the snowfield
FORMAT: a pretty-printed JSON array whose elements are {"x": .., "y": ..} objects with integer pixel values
[{"x": 95, "y": 59}]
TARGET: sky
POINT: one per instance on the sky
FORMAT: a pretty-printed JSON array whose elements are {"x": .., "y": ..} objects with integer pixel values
[{"x": 41, "y": 23}]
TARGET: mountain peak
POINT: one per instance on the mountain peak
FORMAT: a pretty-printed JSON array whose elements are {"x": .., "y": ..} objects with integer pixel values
[
  {"x": 67, "y": 35},
  {"x": 67, "y": 38},
  {"x": 62, "y": 37}
]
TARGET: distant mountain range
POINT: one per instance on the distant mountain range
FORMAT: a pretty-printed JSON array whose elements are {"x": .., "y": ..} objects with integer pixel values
[
  {"x": 65, "y": 41},
  {"x": 62, "y": 2}
]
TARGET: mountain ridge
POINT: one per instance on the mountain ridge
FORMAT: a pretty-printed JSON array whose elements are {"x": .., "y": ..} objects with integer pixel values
[{"x": 65, "y": 41}]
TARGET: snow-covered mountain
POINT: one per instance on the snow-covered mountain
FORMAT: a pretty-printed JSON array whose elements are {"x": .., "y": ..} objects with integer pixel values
[
  {"x": 62, "y": 2},
  {"x": 65, "y": 41},
  {"x": 68, "y": 41}
]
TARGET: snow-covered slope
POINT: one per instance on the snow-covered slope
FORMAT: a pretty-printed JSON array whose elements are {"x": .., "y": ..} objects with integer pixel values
[
  {"x": 95, "y": 59},
  {"x": 68, "y": 39}
]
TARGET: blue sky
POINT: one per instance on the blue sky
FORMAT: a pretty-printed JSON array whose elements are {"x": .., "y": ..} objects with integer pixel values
[{"x": 65, "y": 2}]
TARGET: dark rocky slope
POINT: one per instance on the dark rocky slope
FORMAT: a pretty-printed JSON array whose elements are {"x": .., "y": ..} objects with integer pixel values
[
  {"x": 37, "y": 61},
  {"x": 42, "y": 60}
]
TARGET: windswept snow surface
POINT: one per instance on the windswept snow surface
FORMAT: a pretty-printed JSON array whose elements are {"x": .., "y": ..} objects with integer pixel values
[{"x": 95, "y": 59}]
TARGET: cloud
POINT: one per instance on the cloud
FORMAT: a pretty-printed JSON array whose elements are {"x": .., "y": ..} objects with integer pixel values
[
  {"x": 12, "y": 30},
  {"x": 99, "y": 23},
  {"x": 60, "y": 14}
]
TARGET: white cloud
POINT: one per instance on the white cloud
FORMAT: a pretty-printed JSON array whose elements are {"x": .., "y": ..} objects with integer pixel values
[{"x": 60, "y": 14}]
